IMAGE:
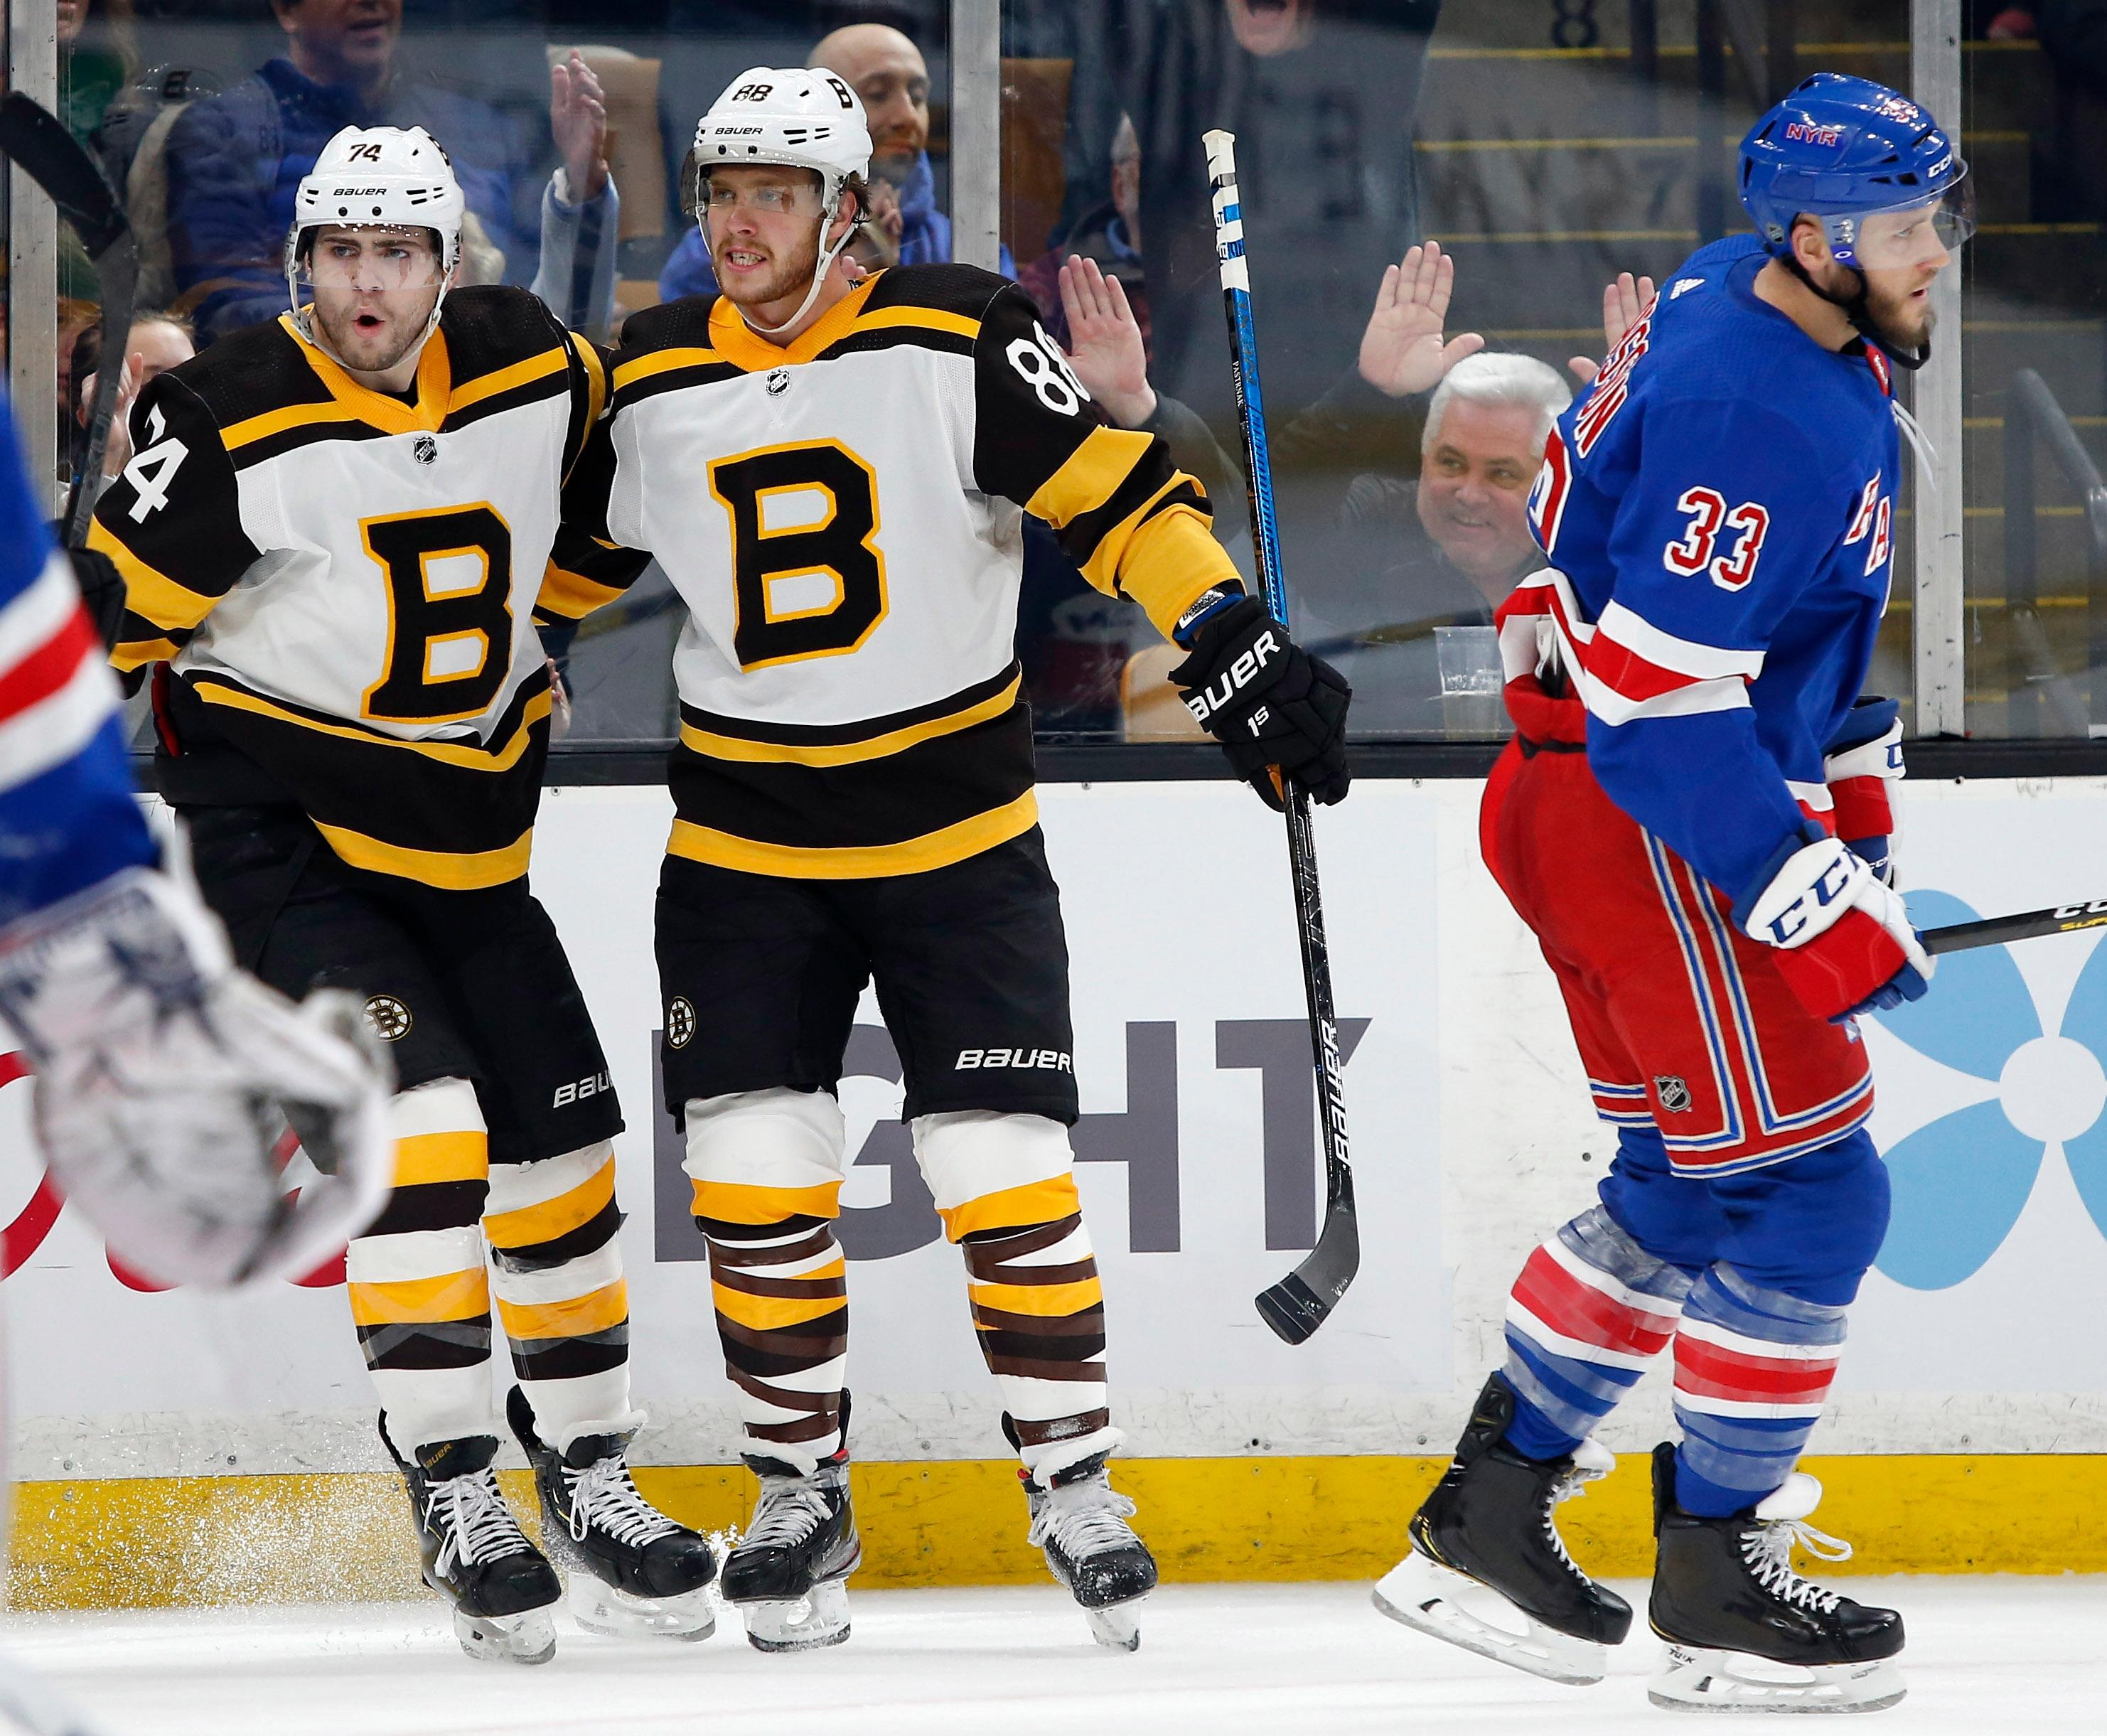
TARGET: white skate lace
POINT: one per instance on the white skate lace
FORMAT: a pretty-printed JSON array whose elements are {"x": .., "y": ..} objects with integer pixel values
[
  {"x": 471, "y": 1514},
  {"x": 1573, "y": 1481},
  {"x": 790, "y": 1510},
  {"x": 1768, "y": 1550},
  {"x": 603, "y": 1494},
  {"x": 1083, "y": 1519}
]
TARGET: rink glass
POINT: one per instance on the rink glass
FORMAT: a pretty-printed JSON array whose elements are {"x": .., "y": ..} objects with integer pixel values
[{"x": 1546, "y": 147}]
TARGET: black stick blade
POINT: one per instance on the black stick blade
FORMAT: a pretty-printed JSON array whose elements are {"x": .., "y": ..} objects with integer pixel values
[
  {"x": 1292, "y": 1309},
  {"x": 38, "y": 140}
]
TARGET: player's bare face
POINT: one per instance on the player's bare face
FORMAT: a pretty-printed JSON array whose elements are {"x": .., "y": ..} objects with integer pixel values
[
  {"x": 1473, "y": 485},
  {"x": 1900, "y": 253},
  {"x": 373, "y": 292},
  {"x": 764, "y": 229}
]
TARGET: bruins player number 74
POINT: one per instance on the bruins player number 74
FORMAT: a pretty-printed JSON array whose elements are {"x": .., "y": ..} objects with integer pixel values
[
  {"x": 331, "y": 535},
  {"x": 833, "y": 475}
]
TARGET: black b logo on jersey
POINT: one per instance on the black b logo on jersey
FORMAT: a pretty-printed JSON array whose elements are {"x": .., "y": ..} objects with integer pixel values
[
  {"x": 449, "y": 646},
  {"x": 838, "y": 547}
]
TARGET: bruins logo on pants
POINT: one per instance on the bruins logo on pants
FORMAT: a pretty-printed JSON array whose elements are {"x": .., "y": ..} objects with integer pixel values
[{"x": 388, "y": 1017}]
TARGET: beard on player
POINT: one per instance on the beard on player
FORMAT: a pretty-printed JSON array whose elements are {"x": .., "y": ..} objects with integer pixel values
[{"x": 372, "y": 331}]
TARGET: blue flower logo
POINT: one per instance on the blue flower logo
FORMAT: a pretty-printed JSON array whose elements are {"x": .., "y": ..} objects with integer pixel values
[{"x": 1961, "y": 1181}]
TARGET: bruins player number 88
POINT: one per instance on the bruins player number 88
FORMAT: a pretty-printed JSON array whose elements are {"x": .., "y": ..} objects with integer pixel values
[
  {"x": 833, "y": 475},
  {"x": 331, "y": 535}
]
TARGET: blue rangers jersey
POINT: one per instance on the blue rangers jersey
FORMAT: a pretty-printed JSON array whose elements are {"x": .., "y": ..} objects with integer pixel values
[
  {"x": 1718, "y": 513},
  {"x": 68, "y": 816}
]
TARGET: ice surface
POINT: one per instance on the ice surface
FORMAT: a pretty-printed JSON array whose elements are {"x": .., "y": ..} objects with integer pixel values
[{"x": 1987, "y": 1657}]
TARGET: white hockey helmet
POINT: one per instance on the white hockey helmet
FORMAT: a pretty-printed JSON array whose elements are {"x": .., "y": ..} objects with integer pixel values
[
  {"x": 792, "y": 117},
  {"x": 796, "y": 117},
  {"x": 378, "y": 177}
]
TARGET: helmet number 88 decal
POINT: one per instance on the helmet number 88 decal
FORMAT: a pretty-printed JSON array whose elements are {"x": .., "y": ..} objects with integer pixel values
[
  {"x": 1038, "y": 358},
  {"x": 808, "y": 578}
]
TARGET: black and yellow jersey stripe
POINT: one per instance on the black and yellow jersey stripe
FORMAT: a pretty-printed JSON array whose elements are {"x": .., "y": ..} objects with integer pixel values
[
  {"x": 212, "y": 518},
  {"x": 988, "y": 410}
]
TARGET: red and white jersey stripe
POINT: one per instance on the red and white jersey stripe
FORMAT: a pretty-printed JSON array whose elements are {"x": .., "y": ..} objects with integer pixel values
[{"x": 56, "y": 687}]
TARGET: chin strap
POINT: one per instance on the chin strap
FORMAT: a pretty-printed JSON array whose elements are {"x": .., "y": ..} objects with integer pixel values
[
  {"x": 824, "y": 264},
  {"x": 1853, "y": 308}
]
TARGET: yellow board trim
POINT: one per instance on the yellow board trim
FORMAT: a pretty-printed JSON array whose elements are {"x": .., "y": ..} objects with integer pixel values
[
  {"x": 1046, "y": 1301},
  {"x": 1013, "y": 1208},
  {"x": 748, "y": 1202},
  {"x": 149, "y": 591},
  {"x": 470, "y": 871},
  {"x": 596, "y": 1311},
  {"x": 421, "y": 1158},
  {"x": 937, "y": 849},
  {"x": 447, "y": 752},
  {"x": 568, "y": 1211},
  {"x": 421, "y": 1301},
  {"x": 714, "y": 746},
  {"x": 157, "y": 1542}
]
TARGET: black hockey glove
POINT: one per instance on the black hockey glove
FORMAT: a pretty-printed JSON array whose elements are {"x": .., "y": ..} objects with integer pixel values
[
  {"x": 1267, "y": 701},
  {"x": 102, "y": 589}
]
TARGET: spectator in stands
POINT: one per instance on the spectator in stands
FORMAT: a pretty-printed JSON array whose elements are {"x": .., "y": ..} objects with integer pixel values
[
  {"x": 234, "y": 161},
  {"x": 887, "y": 71},
  {"x": 1107, "y": 235},
  {"x": 158, "y": 341}
]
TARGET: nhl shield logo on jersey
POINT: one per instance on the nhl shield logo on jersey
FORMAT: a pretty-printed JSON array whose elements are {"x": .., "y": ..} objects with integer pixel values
[
  {"x": 1673, "y": 1092},
  {"x": 426, "y": 450},
  {"x": 679, "y": 1022},
  {"x": 388, "y": 1017},
  {"x": 779, "y": 381}
]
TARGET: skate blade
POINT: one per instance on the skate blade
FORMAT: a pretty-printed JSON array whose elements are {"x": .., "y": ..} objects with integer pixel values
[
  {"x": 1116, "y": 1627},
  {"x": 528, "y": 1637},
  {"x": 1423, "y": 1595},
  {"x": 1693, "y": 1678},
  {"x": 820, "y": 1618},
  {"x": 601, "y": 1609}
]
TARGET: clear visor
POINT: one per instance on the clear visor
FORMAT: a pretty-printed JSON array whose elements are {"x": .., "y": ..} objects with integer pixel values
[
  {"x": 699, "y": 193},
  {"x": 382, "y": 260},
  {"x": 1925, "y": 233}
]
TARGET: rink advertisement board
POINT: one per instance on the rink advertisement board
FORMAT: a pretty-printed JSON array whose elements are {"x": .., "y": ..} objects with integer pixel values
[{"x": 1199, "y": 1169}]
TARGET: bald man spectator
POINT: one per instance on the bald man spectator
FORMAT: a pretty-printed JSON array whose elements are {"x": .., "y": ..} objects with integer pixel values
[{"x": 887, "y": 71}]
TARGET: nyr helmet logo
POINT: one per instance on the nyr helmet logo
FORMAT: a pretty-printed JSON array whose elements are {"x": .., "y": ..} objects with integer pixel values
[{"x": 1808, "y": 132}]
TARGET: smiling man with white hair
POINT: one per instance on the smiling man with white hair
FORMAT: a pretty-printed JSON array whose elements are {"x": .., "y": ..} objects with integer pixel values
[{"x": 1483, "y": 444}]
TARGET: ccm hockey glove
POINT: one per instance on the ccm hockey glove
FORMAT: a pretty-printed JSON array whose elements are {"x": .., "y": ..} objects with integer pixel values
[
  {"x": 1267, "y": 701},
  {"x": 1863, "y": 761},
  {"x": 1844, "y": 943}
]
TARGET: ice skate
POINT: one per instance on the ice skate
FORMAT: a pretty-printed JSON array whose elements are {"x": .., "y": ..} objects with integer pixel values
[
  {"x": 1488, "y": 1570},
  {"x": 1745, "y": 1632},
  {"x": 1079, "y": 1521},
  {"x": 631, "y": 1569},
  {"x": 785, "y": 1573},
  {"x": 475, "y": 1556}
]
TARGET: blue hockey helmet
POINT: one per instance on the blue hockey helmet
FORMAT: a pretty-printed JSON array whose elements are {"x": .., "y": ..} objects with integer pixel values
[{"x": 1864, "y": 161}]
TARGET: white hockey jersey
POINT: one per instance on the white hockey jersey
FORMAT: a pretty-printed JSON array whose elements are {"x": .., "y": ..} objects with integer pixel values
[
  {"x": 340, "y": 580},
  {"x": 843, "y": 517}
]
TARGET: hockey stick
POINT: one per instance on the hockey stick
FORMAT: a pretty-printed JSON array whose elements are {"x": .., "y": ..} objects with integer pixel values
[
  {"x": 42, "y": 149},
  {"x": 1995, "y": 931},
  {"x": 1300, "y": 1303}
]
